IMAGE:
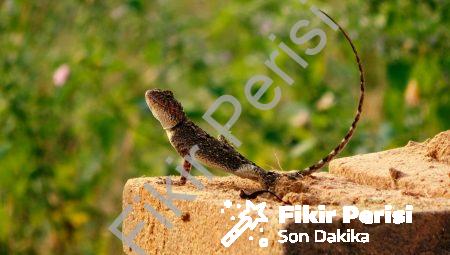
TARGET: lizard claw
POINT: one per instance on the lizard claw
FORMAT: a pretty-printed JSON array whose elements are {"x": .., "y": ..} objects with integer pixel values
[
  {"x": 180, "y": 182},
  {"x": 161, "y": 181}
]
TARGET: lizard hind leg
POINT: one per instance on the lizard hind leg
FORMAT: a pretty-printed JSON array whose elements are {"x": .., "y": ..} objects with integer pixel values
[
  {"x": 255, "y": 194},
  {"x": 268, "y": 182}
]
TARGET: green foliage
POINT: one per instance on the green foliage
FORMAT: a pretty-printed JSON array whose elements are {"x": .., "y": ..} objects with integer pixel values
[{"x": 66, "y": 151}]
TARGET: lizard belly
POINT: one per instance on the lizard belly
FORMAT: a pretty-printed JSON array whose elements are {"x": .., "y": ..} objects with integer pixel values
[
  {"x": 229, "y": 162},
  {"x": 211, "y": 152}
]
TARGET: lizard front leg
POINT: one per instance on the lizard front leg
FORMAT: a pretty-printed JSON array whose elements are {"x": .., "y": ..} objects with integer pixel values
[
  {"x": 187, "y": 168},
  {"x": 182, "y": 181}
]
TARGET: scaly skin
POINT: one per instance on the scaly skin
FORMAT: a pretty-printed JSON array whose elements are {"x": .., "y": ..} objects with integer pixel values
[{"x": 184, "y": 134}]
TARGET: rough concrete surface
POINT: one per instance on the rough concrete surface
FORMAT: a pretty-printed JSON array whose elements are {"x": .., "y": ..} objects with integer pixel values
[
  {"x": 421, "y": 169},
  {"x": 205, "y": 225},
  {"x": 367, "y": 181}
]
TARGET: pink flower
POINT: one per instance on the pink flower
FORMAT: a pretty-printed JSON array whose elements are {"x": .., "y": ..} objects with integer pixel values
[{"x": 61, "y": 75}]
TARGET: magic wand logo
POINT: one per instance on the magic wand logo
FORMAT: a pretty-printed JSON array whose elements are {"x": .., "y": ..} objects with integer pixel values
[{"x": 246, "y": 222}]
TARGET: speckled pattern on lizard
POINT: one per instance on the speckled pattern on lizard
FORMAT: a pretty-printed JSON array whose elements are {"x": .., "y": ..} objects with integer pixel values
[{"x": 218, "y": 153}]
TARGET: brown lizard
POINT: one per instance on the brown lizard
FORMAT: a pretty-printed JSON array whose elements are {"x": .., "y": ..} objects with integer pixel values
[{"x": 183, "y": 134}]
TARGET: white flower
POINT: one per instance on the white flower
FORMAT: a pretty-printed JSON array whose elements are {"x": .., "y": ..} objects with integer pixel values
[
  {"x": 300, "y": 119},
  {"x": 325, "y": 102}
]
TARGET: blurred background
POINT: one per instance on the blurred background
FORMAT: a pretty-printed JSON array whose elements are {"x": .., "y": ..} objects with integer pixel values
[{"x": 75, "y": 126}]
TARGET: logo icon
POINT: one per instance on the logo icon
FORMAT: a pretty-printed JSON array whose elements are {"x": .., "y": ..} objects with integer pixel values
[{"x": 246, "y": 221}]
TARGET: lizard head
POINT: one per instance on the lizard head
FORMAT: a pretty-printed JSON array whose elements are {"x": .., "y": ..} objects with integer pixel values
[{"x": 166, "y": 109}]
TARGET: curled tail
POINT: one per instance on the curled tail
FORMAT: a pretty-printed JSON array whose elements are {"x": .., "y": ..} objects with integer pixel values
[{"x": 348, "y": 136}]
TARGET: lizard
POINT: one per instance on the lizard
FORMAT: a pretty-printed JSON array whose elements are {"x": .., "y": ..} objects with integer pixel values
[{"x": 218, "y": 153}]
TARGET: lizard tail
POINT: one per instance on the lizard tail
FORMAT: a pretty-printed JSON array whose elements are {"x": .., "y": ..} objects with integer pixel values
[{"x": 348, "y": 136}]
